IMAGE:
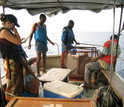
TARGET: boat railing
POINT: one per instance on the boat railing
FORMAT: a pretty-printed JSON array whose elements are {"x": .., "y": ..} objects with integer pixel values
[
  {"x": 79, "y": 50},
  {"x": 82, "y": 53},
  {"x": 90, "y": 48},
  {"x": 77, "y": 58},
  {"x": 50, "y": 51},
  {"x": 57, "y": 46},
  {"x": 91, "y": 44}
]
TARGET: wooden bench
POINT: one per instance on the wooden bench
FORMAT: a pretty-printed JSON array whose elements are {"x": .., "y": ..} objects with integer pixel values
[
  {"x": 50, "y": 102},
  {"x": 117, "y": 83}
]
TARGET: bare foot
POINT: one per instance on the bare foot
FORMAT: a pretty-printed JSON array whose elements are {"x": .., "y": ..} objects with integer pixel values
[{"x": 38, "y": 75}]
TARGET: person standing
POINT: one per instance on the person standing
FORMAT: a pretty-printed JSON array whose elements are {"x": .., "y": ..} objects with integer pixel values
[
  {"x": 17, "y": 70},
  {"x": 102, "y": 61},
  {"x": 68, "y": 38},
  {"x": 40, "y": 34}
]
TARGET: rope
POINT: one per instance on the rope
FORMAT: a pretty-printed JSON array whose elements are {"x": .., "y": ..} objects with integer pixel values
[
  {"x": 106, "y": 96},
  {"x": 121, "y": 58}
]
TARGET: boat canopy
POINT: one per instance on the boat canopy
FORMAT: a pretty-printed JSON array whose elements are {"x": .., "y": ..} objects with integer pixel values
[{"x": 52, "y": 7}]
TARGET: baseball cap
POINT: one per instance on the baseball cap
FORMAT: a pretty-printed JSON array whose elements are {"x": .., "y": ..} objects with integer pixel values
[{"x": 12, "y": 19}]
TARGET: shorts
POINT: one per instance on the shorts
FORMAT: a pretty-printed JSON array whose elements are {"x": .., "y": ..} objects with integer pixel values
[
  {"x": 41, "y": 46},
  {"x": 68, "y": 49}
]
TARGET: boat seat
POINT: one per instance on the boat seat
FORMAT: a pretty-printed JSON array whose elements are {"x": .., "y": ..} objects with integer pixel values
[{"x": 116, "y": 83}]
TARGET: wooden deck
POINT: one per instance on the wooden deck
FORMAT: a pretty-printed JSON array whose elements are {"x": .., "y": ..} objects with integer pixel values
[{"x": 50, "y": 102}]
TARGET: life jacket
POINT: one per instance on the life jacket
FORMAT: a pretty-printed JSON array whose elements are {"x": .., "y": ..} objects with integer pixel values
[
  {"x": 8, "y": 49},
  {"x": 69, "y": 35},
  {"x": 107, "y": 58}
]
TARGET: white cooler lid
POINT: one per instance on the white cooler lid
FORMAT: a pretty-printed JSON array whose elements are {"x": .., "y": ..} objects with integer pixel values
[
  {"x": 55, "y": 74},
  {"x": 63, "y": 88}
]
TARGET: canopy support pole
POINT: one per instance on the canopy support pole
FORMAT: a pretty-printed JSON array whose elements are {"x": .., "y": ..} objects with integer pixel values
[
  {"x": 3, "y": 9},
  {"x": 111, "y": 64}
]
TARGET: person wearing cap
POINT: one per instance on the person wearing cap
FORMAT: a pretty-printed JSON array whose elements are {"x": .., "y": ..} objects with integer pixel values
[
  {"x": 40, "y": 34},
  {"x": 15, "y": 67}
]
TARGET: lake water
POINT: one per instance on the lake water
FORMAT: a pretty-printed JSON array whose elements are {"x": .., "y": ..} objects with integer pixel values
[{"x": 97, "y": 38}]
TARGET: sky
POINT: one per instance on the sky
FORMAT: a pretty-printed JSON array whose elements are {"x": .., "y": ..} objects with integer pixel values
[{"x": 85, "y": 21}]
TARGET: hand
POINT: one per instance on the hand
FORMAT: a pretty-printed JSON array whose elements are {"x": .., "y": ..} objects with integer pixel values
[
  {"x": 29, "y": 46},
  {"x": 15, "y": 30},
  {"x": 78, "y": 43},
  {"x": 16, "y": 33},
  {"x": 23, "y": 40},
  {"x": 52, "y": 43},
  {"x": 93, "y": 59}
]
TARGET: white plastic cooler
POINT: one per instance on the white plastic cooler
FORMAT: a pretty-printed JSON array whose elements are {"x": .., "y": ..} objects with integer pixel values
[
  {"x": 59, "y": 89},
  {"x": 55, "y": 74}
]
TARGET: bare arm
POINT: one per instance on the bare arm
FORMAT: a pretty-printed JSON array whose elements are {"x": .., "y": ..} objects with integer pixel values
[
  {"x": 31, "y": 35},
  {"x": 50, "y": 41},
  {"x": 97, "y": 57},
  {"x": 10, "y": 37},
  {"x": 76, "y": 41}
]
